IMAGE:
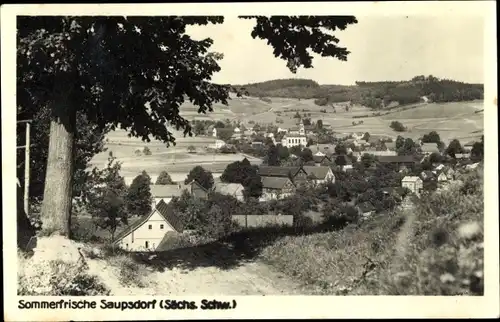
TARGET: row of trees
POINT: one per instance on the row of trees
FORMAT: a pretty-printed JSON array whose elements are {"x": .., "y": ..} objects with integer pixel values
[{"x": 372, "y": 94}]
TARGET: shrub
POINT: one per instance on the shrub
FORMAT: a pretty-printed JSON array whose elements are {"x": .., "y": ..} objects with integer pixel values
[
  {"x": 397, "y": 126},
  {"x": 57, "y": 278},
  {"x": 147, "y": 151}
]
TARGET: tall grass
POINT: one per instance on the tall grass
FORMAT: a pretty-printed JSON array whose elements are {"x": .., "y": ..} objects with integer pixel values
[{"x": 434, "y": 248}]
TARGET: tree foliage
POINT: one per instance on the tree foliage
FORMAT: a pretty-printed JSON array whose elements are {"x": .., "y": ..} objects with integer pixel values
[
  {"x": 139, "y": 199},
  {"x": 164, "y": 178},
  {"x": 202, "y": 176},
  {"x": 134, "y": 73},
  {"x": 106, "y": 199}
]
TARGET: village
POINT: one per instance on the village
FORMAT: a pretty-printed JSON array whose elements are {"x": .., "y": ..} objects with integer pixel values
[{"x": 424, "y": 168}]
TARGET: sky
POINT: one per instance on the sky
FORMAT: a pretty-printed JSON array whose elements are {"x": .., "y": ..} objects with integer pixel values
[{"x": 382, "y": 48}]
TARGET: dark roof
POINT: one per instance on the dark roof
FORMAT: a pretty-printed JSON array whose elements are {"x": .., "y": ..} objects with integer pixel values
[
  {"x": 318, "y": 172},
  {"x": 366, "y": 206},
  {"x": 164, "y": 211},
  {"x": 274, "y": 182},
  {"x": 396, "y": 158},
  {"x": 272, "y": 171}
]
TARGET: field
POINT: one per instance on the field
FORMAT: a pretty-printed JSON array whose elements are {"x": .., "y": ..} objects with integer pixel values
[
  {"x": 176, "y": 160},
  {"x": 450, "y": 120}
]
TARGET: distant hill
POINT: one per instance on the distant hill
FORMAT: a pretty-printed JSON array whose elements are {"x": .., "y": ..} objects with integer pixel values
[{"x": 376, "y": 95}]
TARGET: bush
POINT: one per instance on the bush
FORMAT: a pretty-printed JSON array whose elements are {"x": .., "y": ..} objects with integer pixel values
[
  {"x": 397, "y": 126},
  {"x": 57, "y": 278},
  {"x": 147, "y": 151}
]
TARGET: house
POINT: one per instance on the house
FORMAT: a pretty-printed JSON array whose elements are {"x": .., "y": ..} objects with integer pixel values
[
  {"x": 327, "y": 149},
  {"x": 441, "y": 178},
  {"x": 380, "y": 153},
  {"x": 429, "y": 148},
  {"x": 230, "y": 189},
  {"x": 146, "y": 233},
  {"x": 319, "y": 174},
  {"x": 294, "y": 173},
  {"x": 462, "y": 156},
  {"x": 400, "y": 161},
  {"x": 165, "y": 193},
  {"x": 275, "y": 188},
  {"x": 366, "y": 209},
  {"x": 413, "y": 183},
  {"x": 195, "y": 189},
  {"x": 282, "y": 130},
  {"x": 290, "y": 140},
  {"x": 320, "y": 159}
]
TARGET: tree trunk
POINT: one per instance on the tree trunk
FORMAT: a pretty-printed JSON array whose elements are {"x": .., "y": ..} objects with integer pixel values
[{"x": 58, "y": 193}]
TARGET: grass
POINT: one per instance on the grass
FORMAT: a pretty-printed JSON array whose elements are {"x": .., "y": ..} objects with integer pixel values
[{"x": 435, "y": 249}]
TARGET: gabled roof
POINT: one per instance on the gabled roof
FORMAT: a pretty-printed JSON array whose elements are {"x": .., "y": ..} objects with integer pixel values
[
  {"x": 321, "y": 158},
  {"x": 231, "y": 189},
  {"x": 274, "y": 182},
  {"x": 430, "y": 147},
  {"x": 168, "y": 190},
  {"x": 411, "y": 179},
  {"x": 318, "y": 172},
  {"x": 380, "y": 153},
  {"x": 272, "y": 171},
  {"x": 164, "y": 211}
]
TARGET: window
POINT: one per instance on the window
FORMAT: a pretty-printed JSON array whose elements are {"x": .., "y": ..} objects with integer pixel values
[
  {"x": 146, "y": 244},
  {"x": 161, "y": 226},
  {"x": 150, "y": 226}
]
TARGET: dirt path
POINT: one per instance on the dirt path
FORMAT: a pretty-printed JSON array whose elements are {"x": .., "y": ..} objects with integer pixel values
[{"x": 253, "y": 278}]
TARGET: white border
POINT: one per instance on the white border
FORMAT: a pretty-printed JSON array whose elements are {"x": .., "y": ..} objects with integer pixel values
[{"x": 268, "y": 306}]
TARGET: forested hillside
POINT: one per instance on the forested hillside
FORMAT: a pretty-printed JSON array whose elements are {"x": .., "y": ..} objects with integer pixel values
[{"x": 375, "y": 95}]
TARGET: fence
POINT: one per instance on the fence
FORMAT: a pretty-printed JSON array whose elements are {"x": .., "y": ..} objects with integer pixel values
[{"x": 263, "y": 220}]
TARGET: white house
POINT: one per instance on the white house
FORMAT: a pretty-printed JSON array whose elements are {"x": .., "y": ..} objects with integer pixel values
[
  {"x": 282, "y": 130},
  {"x": 413, "y": 183},
  {"x": 290, "y": 140},
  {"x": 147, "y": 233}
]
